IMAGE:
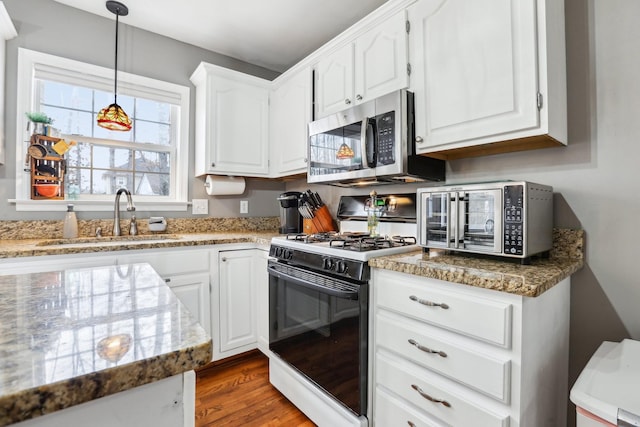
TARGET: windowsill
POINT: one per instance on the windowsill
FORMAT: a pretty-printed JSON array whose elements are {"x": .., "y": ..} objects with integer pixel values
[{"x": 94, "y": 205}]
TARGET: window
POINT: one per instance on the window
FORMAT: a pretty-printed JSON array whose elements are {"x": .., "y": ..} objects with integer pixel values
[{"x": 151, "y": 160}]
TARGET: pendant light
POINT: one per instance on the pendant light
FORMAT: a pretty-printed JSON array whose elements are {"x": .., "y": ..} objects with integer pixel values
[{"x": 113, "y": 116}]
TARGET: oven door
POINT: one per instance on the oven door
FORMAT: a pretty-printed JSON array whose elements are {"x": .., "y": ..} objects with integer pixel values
[{"x": 318, "y": 325}]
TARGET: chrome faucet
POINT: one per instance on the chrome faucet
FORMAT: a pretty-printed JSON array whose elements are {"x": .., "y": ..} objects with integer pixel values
[{"x": 116, "y": 211}]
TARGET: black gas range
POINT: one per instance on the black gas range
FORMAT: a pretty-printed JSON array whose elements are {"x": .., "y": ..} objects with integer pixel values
[{"x": 318, "y": 308}]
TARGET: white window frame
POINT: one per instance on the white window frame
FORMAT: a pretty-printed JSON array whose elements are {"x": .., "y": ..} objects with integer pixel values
[{"x": 32, "y": 64}]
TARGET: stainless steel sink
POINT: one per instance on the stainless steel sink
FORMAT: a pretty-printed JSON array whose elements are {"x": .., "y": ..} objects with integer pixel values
[{"x": 109, "y": 239}]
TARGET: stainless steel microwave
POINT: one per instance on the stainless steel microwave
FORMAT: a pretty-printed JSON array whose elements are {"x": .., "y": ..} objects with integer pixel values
[
  {"x": 508, "y": 218},
  {"x": 371, "y": 143}
]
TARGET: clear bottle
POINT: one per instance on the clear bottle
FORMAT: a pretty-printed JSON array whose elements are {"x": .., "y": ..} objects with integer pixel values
[{"x": 70, "y": 228}]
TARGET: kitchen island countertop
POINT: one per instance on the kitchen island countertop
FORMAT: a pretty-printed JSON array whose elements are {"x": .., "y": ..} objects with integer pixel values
[
  {"x": 72, "y": 336},
  {"x": 565, "y": 258}
]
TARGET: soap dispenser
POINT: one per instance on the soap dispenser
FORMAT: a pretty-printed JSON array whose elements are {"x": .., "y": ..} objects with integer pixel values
[{"x": 70, "y": 228}]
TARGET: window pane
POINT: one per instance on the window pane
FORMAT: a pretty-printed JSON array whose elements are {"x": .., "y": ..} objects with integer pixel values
[
  {"x": 108, "y": 182},
  {"x": 152, "y": 184},
  {"x": 62, "y": 94},
  {"x": 153, "y": 111},
  {"x": 79, "y": 155},
  {"x": 155, "y": 133},
  {"x": 71, "y": 122},
  {"x": 111, "y": 158},
  {"x": 151, "y": 161}
]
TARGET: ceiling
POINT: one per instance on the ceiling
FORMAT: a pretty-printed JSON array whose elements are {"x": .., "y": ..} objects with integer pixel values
[{"x": 274, "y": 34}]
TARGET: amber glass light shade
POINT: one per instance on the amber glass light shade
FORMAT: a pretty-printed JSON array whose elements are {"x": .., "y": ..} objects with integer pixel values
[
  {"x": 344, "y": 152},
  {"x": 113, "y": 117}
]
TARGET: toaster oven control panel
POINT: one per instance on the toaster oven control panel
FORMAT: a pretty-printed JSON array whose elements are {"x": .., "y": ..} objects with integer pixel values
[{"x": 513, "y": 219}]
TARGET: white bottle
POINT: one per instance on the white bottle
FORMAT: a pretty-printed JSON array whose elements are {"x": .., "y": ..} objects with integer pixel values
[{"x": 70, "y": 228}]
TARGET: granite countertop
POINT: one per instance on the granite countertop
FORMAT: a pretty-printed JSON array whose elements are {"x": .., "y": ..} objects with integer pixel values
[
  {"x": 71, "y": 336},
  {"x": 36, "y": 247},
  {"x": 566, "y": 258}
]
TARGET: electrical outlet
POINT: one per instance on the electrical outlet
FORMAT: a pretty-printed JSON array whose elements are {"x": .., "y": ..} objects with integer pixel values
[
  {"x": 244, "y": 206},
  {"x": 199, "y": 206}
]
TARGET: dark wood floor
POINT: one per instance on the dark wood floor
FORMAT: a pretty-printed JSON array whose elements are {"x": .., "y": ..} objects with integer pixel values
[{"x": 238, "y": 393}]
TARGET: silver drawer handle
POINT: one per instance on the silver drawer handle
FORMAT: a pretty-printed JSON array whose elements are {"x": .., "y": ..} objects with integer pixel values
[
  {"x": 429, "y": 398},
  {"x": 426, "y": 349},
  {"x": 428, "y": 303}
]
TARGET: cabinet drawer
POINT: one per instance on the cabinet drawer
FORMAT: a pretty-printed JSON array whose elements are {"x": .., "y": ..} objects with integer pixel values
[
  {"x": 424, "y": 390},
  {"x": 486, "y": 374},
  {"x": 171, "y": 262},
  {"x": 389, "y": 411},
  {"x": 470, "y": 315}
]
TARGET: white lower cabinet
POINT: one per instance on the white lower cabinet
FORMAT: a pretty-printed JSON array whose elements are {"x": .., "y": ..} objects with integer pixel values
[
  {"x": 186, "y": 272},
  {"x": 457, "y": 355},
  {"x": 242, "y": 277}
]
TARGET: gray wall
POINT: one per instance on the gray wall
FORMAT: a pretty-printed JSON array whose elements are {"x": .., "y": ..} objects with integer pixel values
[
  {"x": 596, "y": 178},
  {"x": 89, "y": 38}
]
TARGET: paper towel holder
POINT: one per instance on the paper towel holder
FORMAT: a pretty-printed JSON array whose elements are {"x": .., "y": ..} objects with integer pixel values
[{"x": 224, "y": 185}]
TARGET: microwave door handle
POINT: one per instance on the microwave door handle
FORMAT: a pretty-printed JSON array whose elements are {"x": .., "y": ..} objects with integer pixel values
[
  {"x": 364, "y": 130},
  {"x": 363, "y": 142}
]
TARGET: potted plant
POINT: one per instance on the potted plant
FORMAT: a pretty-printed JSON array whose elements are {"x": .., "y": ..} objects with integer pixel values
[{"x": 40, "y": 122}]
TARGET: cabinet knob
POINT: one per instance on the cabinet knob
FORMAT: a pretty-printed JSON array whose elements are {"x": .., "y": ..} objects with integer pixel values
[
  {"x": 347, "y": 101},
  {"x": 167, "y": 280},
  {"x": 419, "y": 139},
  {"x": 306, "y": 160},
  {"x": 224, "y": 260},
  {"x": 358, "y": 97},
  {"x": 213, "y": 165}
]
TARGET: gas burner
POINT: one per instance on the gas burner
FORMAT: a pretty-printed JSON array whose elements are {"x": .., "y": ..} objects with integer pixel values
[
  {"x": 367, "y": 243},
  {"x": 313, "y": 238}
]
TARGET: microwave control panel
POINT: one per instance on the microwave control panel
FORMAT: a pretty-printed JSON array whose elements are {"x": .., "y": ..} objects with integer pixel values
[
  {"x": 513, "y": 219},
  {"x": 386, "y": 130}
]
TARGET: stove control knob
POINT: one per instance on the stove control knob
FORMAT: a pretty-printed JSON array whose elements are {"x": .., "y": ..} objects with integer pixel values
[
  {"x": 328, "y": 264},
  {"x": 287, "y": 254},
  {"x": 342, "y": 267},
  {"x": 279, "y": 251}
]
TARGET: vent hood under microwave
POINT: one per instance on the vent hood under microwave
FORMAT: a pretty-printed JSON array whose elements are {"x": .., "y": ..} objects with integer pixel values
[{"x": 369, "y": 144}]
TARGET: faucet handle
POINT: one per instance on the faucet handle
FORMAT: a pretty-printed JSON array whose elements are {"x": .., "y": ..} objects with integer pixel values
[{"x": 133, "y": 226}]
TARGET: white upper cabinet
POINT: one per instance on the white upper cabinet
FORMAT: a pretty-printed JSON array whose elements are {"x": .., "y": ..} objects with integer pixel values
[
  {"x": 232, "y": 122},
  {"x": 372, "y": 65},
  {"x": 487, "y": 72},
  {"x": 290, "y": 113}
]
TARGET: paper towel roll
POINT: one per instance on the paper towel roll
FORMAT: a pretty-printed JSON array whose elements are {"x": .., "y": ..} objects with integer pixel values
[{"x": 217, "y": 185}]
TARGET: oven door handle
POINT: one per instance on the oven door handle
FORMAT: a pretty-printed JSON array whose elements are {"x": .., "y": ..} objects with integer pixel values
[{"x": 352, "y": 295}]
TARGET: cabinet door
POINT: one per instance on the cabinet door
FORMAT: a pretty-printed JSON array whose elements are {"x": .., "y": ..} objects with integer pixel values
[
  {"x": 238, "y": 324},
  {"x": 240, "y": 127},
  {"x": 474, "y": 69},
  {"x": 290, "y": 114},
  {"x": 193, "y": 291},
  {"x": 335, "y": 81},
  {"x": 381, "y": 59}
]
